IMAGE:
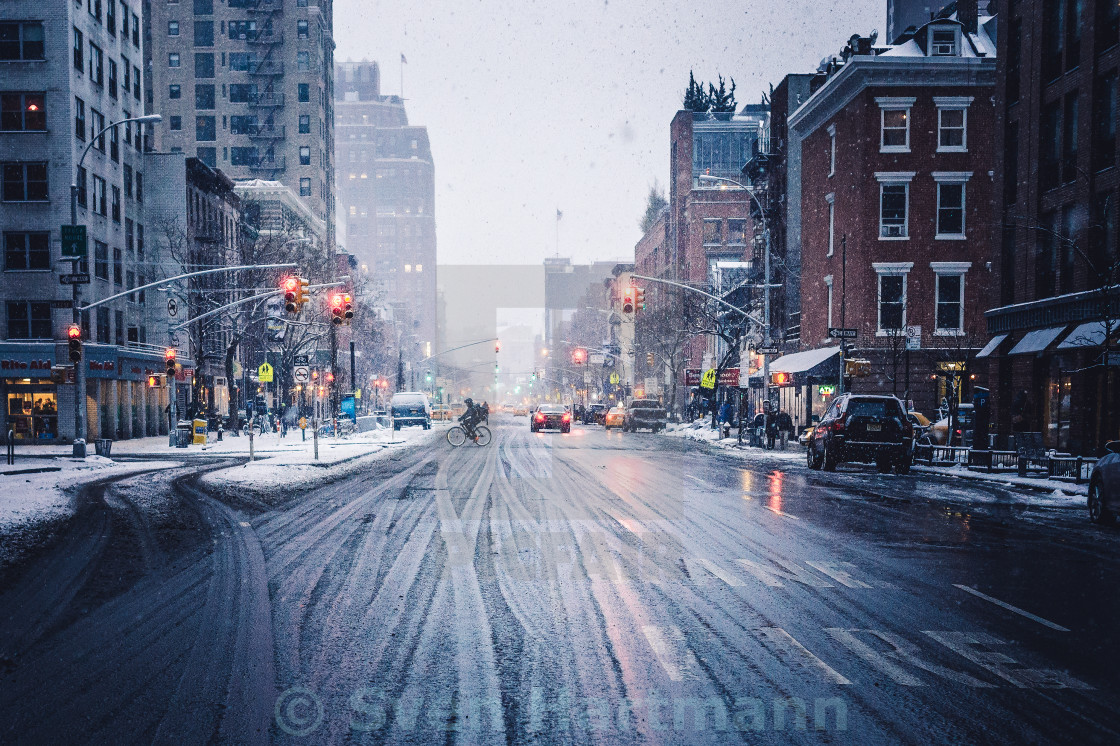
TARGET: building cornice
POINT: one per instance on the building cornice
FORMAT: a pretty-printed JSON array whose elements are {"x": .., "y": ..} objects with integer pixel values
[{"x": 887, "y": 71}]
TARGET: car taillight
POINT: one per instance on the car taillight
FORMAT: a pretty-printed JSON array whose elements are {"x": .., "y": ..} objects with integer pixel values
[
  {"x": 567, "y": 417},
  {"x": 540, "y": 417},
  {"x": 838, "y": 425}
]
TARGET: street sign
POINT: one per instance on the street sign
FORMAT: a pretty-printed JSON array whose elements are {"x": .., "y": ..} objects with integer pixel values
[
  {"x": 615, "y": 378},
  {"x": 767, "y": 350},
  {"x": 837, "y": 333},
  {"x": 172, "y": 307},
  {"x": 913, "y": 337},
  {"x": 77, "y": 278},
  {"x": 708, "y": 380},
  {"x": 74, "y": 242},
  {"x": 301, "y": 374},
  {"x": 301, "y": 360},
  {"x": 264, "y": 373},
  {"x": 58, "y": 304}
]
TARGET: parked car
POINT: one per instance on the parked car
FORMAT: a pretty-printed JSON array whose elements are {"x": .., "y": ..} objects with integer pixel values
[
  {"x": 595, "y": 414},
  {"x": 1104, "y": 486},
  {"x": 645, "y": 414},
  {"x": 862, "y": 427},
  {"x": 938, "y": 432},
  {"x": 615, "y": 417},
  {"x": 551, "y": 417},
  {"x": 410, "y": 408},
  {"x": 520, "y": 411}
]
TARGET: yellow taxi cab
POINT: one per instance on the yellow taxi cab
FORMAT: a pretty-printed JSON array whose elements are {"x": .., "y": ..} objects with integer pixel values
[{"x": 615, "y": 417}]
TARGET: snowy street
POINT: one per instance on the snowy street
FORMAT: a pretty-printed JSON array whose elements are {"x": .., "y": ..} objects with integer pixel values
[{"x": 599, "y": 585}]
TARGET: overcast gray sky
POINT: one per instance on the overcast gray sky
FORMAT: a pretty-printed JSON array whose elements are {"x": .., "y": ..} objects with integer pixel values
[{"x": 534, "y": 106}]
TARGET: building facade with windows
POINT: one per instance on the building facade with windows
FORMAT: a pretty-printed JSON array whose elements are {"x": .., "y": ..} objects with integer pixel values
[
  {"x": 67, "y": 70},
  {"x": 386, "y": 188},
  {"x": 246, "y": 86},
  {"x": 896, "y": 195},
  {"x": 1055, "y": 320}
]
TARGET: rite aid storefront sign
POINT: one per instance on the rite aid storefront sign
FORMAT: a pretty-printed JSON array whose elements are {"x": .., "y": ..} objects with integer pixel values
[
  {"x": 35, "y": 361},
  {"x": 26, "y": 360}
]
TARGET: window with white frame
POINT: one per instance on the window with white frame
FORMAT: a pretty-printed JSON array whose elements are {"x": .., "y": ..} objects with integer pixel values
[
  {"x": 950, "y": 203},
  {"x": 949, "y": 297},
  {"x": 891, "y": 296},
  {"x": 952, "y": 123},
  {"x": 830, "y": 198},
  {"x": 894, "y": 113},
  {"x": 831, "y": 149},
  {"x": 943, "y": 41},
  {"x": 894, "y": 203},
  {"x": 828, "y": 286}
]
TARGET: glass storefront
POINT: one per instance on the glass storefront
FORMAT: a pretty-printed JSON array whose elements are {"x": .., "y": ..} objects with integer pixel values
[{"x": 32, "y": 409}]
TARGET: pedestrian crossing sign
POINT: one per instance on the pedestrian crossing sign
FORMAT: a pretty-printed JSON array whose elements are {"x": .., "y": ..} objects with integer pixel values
[
  {"x": 708, "y": 381},
  {"x": 264, "y": 373}
]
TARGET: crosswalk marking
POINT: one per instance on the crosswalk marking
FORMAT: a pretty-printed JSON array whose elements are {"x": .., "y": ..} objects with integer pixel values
[
  {"x": 1009, "y": 607},
  {"x": 784, "y": 641},
  {"x": 718, "y": 571},
  {"x": 672, "y": 651}
]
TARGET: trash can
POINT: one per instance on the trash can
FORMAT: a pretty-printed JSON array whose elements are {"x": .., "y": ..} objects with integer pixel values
[
  {"x": 183, "y": 435},
  {"x": 103, "y": 447},
  {"x": 199, "y": 427}
]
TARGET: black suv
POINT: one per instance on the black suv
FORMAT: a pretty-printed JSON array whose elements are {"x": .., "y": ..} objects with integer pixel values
[{"x": 862, "y": 427}]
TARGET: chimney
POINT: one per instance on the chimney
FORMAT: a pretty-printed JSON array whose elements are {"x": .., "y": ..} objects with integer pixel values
[{"x": 967, "y": 14}]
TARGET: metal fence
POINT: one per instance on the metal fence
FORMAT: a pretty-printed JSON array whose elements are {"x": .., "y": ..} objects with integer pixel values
[{"x": 1050, "y": 464}]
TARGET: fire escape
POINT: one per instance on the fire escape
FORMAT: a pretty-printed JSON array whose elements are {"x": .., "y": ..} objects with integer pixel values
[{"x": 268, "y": 74}]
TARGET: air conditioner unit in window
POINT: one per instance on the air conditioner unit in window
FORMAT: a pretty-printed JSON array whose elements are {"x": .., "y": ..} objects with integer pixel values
[
  {"x": 892, "y": 231},
  {"x": 945, "y": 50}
]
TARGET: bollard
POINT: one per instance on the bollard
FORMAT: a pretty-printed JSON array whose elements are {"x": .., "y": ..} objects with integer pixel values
[
  {"x": 250, "y": 441},
  {"x": 315, "y": 437},
  {"x": 11, "y": 447}
]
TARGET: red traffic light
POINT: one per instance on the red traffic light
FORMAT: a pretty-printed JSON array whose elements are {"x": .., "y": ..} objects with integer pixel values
[
  {"x": 628, "y": 300},
  {"x": 169, "y": 353},
  {"x": 579, "y": 356},
  {"x": 169, "y": 358},
  {"x": 291, "y": 284},
  {"x": 330, "y": 377},
  {"x": 74, "y": 331},
  {"x": 336, "y": 309},
  {"x": 497, "y": 346},
  {"x": 291, "y": 289}
]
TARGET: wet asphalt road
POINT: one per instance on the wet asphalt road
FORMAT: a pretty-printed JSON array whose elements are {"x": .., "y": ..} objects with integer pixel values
[{"x": 589, "y": 587}]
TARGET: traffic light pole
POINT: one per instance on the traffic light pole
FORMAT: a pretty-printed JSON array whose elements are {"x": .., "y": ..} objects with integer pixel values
[{"x": 76, "y": 304}]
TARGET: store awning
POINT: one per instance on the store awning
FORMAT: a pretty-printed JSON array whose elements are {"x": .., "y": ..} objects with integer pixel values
[
  {"x": 1036, "y": 341},
  {"x": 989, "y": 348},
  {"x": 801, "y": 362},
  {"x": 1086, "y": 335}
]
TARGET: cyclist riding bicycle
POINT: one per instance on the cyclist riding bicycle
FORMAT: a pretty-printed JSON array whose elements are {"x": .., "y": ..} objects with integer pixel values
[{"x": 470, "y": 418}]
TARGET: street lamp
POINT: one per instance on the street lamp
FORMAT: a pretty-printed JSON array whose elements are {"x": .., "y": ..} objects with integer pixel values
[
  {"x": 766, "y": 288},
  {"x": 80, "y": 367}
]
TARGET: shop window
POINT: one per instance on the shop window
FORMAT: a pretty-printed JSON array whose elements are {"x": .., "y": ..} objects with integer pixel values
[{"x": 33, "y": 411}]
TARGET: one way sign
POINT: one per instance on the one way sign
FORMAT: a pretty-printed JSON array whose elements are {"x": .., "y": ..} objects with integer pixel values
[{"x": 838, "y": 333}]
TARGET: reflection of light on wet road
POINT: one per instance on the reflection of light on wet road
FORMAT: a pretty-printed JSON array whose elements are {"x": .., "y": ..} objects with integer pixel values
[
  {"x": 748, "y": 482},
  {"x": 776, "y": 491}
]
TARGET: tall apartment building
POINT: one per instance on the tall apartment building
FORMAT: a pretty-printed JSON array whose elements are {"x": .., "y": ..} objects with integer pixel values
[
  {"x": 246, "y": 86},
  {"x": 67, "y": 69},
  {"x": 1053, "y": 332},
  {"x": 386, "y": 189}
]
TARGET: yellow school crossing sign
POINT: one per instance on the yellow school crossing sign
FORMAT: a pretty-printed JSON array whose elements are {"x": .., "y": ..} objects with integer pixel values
[
  {"x": 264, "y": 373},
  {"x": 615, "y": 379},
  {"x": 709, "y": 379}
]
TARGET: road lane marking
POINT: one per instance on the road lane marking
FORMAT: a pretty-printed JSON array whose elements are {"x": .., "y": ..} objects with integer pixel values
[
  {"x": 902, "y": 652},
  {"x": 783, "y": 640},
  {"x": 834, "y": 570},
  {"x": 1005, "y": 667},
  {"x": 773, "y": 577},
  {"x": 718, "y": 571},
  {"x": 675, "y": 658},
  {"x": 1009, "y": 607},
  {"x": 775, "y": 510}
]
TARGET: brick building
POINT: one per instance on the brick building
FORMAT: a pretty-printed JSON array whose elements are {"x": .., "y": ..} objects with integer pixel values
[
  {"x": 66, "y": 71},
  {"x": 386, "y": 186},
  {"x": 1056, "y": 105},
  {"x": 896, "y": 196}
]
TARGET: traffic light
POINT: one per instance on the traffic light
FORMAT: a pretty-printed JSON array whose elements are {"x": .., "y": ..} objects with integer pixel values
[
  {"x": 169, "y": 361},
  {"x": 428, "y": 377},
  {"x": 533, "y": 376},
  {"x": 74, "y": 335},
  {"x": 779, "y": 378},
  {"x": 649, "y": 359},
  {"x": 628, "y": 300},
  {"x": 304, "y": 291},
  {"x": 291, "y": 294},
  {"x": 579, "y": 356},
  {"x": 640, "y": 298},
  {"x": 336, "y": 309},
  {"x": 497, "y": 346},
  {"x": 155, "y": 381},
  {"x": 347, "y": 307}
]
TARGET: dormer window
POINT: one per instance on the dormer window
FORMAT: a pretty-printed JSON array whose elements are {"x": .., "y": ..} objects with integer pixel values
[{"x": 943, "y": 41}]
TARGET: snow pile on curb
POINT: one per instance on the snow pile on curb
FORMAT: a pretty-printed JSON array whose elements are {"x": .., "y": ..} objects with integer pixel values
[
  {"x": 295, "y": 468},
  {"x": 1052, "y": 487},
  {"x": 28, "y": 499}
]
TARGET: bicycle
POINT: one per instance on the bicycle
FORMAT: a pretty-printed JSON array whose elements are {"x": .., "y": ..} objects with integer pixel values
[{"x": 458, "y": 435}]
